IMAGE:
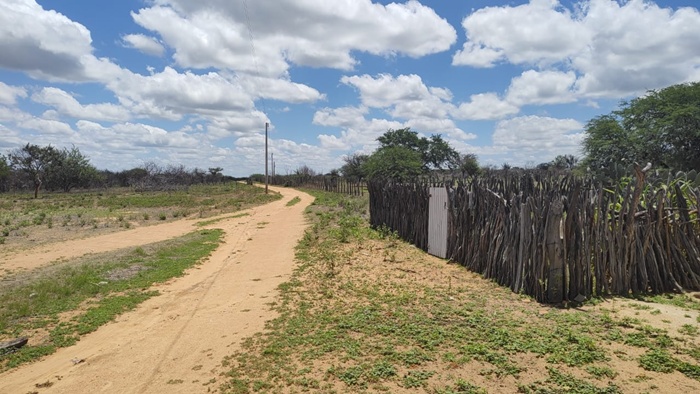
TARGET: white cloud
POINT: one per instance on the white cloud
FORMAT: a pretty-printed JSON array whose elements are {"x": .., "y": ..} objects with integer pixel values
[
  {"x": 540, "y": 88},
  {"x": 46, "y": 44},
  {"x": 144, "y": 43},
  {"x": 537, "y": 139},
  {"x": 408, "y": 101},
  {"x": 485, "y": 106},
  {"x": 66, "y": 104},
  {"x": 236, "y": 124},
  {"x": 344, "y": 117},
  {"x": 539, "y": 32},
  {"x": 9, "y": 94},
  {"x": 280, "y": 89},
  {"x": 615, "y": 48},
  {"x": 637, "y": 46},
  {"x": 324, "y": 35},
  {"x": 47, "y": 126},
  {"x": 170, "y": 94},
  {"x": 357, "y": 131},
  {"x": 385, "y": 90}
]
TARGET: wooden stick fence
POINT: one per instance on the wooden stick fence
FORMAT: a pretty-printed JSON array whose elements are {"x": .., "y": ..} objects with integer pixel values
[
  {"x": 326, "y": 183},
  {"x": 559, "y": 238}
]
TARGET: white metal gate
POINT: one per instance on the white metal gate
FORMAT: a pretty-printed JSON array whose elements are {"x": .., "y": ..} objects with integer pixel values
[{"x": 437, "y": 222}]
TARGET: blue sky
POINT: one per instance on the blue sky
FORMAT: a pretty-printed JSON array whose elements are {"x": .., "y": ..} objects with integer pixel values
[{"x": 181, "y": 82}]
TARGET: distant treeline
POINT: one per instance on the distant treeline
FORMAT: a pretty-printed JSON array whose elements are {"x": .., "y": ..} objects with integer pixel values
[{"x": 36, "y": 168}]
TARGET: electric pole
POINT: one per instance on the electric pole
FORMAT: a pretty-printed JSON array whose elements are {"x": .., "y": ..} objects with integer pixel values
[{"x": 266, "y": 125}]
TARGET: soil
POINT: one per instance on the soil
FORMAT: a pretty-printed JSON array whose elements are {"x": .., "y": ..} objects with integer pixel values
[{"x": 174, "y": 342}]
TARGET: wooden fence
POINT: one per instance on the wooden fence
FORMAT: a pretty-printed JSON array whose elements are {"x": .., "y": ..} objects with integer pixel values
[
  {"x": 558, "y": 237},
  {"x": 327, "y": 183}
]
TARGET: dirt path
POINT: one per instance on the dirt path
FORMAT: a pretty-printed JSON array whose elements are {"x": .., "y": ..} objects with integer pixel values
[{"x": 175, "y": 342}]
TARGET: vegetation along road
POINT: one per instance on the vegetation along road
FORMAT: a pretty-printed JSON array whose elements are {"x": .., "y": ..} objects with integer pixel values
[
  {"x": 356, "y": 310},
  {"x": 175, "y": 341}
]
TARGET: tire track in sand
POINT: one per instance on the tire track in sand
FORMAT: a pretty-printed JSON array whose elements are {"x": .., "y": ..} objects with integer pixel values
[{"x": 174, "y": 342}]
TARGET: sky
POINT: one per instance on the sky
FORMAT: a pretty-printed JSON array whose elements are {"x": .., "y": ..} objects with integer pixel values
[{"x": 181, "y": 82}]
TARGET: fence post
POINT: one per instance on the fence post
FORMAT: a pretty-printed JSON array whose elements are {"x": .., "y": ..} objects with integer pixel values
[{"x": 554, "y": 252}]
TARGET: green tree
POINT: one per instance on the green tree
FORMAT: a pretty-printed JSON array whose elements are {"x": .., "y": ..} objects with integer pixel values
[
  {"x": 394, "y": 162},
  {"x": 5, "y": 173},
  {"x": 564, "y": 162},
  {"x": 662, "y": 127},
  {"x": 35, "y": 162},
  {"x": 435, "y": 152},
  {"x": 469, "y": 165},
  {"x": 69, "y": 170},
  {"x": 353, "y": 167}
]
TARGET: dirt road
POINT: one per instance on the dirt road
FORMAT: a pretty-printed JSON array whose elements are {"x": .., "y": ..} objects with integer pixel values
[{"x": 175, "y": 342}]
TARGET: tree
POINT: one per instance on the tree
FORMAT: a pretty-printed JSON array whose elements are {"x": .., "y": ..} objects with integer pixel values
[
  {"x": 395, "y": 162},
  {"x": 353, "y": 167},
  {"x": 469, "y": 165},
  {"x": 662, "y": 127},
  {"x": 35, "y": 162},
  {"x": 564, "y": 162},
  {"x": 70, "y": 169},
  {"x": 5, "y": 172},
  {"x": 440, "y": 154},
  {"x": 435, "y": 152},
  {"x": 215, "y": 174}
]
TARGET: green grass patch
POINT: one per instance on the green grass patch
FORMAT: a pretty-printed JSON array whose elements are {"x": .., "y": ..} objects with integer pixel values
[
  {"x": 84, "y": 211},
  {"x": 294, "y": 201},
  {"x": 392, "y": 329},
  {"x": 105, "y": 285},
  {"x": 204, "y": 223}
]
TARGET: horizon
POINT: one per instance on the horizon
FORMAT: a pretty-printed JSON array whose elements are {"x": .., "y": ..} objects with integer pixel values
[{"x": 193, "y": 84}]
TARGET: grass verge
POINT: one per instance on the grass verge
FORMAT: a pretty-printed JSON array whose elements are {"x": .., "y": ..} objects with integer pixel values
[
  {"x": 204, "y": 223},
  {"x": 25, "y": 221},
  {"x": 365, "y": 312},
  {"x": 293, "y": 201},
  {"x": 55, "y": 306}
]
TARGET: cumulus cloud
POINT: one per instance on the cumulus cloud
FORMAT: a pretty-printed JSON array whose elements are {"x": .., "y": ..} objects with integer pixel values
[
  {"x": 66, "y": 104},
  {"x": 324, "y": 34},
  {"x": 170, "y": 94},
  {"x": 408, "y": 101},
  {"x": 9, "y": 94},
  {"x": 386, "y": 90},
  {"x": 47, "y": 126},
  {"x": 538, "y": 139},
  {"x": 144, "y": 43},
  {"x": 344, "y": 117},
  {"x": 542, "y": 87},
  {"x": 280, "y": 89},
  {"x": 485, "y": 106},
  {"x": 603, "y": 47},
  {"x": 48, "y": 45}
]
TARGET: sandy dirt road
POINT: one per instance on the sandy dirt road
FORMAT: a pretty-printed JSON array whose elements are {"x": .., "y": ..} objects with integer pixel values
[{"x": 175, "y": 342}]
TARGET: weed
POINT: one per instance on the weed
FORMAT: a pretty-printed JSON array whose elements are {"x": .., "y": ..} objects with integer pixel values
[
  {"x": 601, "y": 372},
  {"x": 36, "y": 301},
  {"x": 415, "y": 379},
  {"x": 688, "y": 329},
  {"x": 293, "y": 201},
  {"x": 658, "y": 361},
  {"x": 462, "y": 387}
]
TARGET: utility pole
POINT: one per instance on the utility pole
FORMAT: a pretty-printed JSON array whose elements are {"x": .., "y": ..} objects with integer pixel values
[
  {"x": 266, "y": 125},
  {"x": 272, "y": 163}
]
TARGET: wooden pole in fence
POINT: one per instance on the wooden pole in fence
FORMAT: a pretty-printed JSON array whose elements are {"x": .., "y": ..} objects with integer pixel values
[
  {"x": 554, "y": 252},
  {"x": 266, "y": 180}
]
